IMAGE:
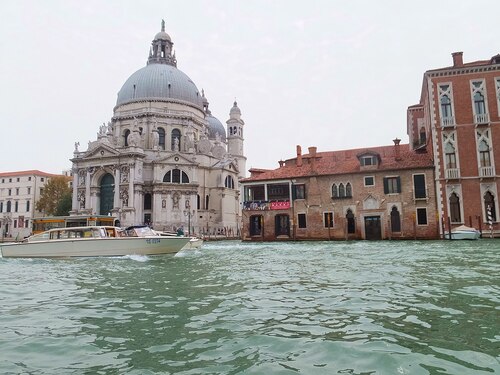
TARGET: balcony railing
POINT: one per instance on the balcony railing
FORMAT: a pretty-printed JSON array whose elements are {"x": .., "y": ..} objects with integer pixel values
[
  {"x": 452, "y": 173},
  {"x": 448, "y": 121},
  {"x": 486, "y": 172},
  {"x": 482, "y": 118},
  {"x": 266, "y": 205}
]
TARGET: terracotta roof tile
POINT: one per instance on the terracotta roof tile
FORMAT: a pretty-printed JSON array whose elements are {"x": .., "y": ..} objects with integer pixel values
[{"x": 346, "y": 162}]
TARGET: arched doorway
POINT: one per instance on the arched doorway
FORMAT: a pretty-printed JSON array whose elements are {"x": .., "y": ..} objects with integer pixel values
[
  {"x": 107, "y": 188},
  {"x": 351, "y": 223}
]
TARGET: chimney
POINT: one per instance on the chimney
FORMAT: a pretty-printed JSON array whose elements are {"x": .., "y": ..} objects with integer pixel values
[
  {"x": 397, "y": 155},
  {"x": 458, "y": 60},
  {"x": 281, "y": 162},
  {"x": 299, "y": 156},
  {"x": 312, "y": 158}
]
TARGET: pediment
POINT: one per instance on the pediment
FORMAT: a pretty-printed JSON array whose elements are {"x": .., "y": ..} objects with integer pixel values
[
  {"x": 227, "y": 164},
  {"x": 101, "y": 150},
  {"x": 175, "y": 159}
]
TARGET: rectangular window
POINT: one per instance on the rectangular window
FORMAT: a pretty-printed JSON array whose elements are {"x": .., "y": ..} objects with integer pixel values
[
  {"x": 369, "y": 181},
  {"x": 29, "y": 190},
  {"x": 301, "y": 218},
  {"x": 27, "y": 206},
  {"x": 10, "y": 192},
  {"x": 392, "y": 185},
  {"x": 18, "y": 179},
  {"x": 42, "y": 179},
  {"x": 419, "y": 186},
  {"x": 29, "y": 178},
  {"x": 17, "y": 191},
  {"x": 299, "y": 192},
  {"x": 367, "y": 160},
  {"x": 328, "y": 219},
  {"x": 422, "y": 216}
]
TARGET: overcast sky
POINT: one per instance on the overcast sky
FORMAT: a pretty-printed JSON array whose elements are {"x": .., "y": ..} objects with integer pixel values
[{"x": 325, "y": 73}]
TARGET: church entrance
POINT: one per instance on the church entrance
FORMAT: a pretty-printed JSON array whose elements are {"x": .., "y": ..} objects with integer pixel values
[
  {"x": 107, "y": 194},
  {"x": 373, "y": 228}
]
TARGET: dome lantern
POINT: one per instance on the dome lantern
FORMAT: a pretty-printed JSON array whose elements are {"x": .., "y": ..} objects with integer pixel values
[{"x": 161, "y": 49}]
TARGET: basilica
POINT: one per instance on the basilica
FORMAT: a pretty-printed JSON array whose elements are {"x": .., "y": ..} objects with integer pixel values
[{"x": 163, "y": 159}]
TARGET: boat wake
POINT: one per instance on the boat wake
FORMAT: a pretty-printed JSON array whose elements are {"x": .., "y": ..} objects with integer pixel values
[{"x": 137, "y": 258}]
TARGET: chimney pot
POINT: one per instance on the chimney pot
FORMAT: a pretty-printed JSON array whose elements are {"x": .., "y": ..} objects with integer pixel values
[{"x": 458, "y": 59}]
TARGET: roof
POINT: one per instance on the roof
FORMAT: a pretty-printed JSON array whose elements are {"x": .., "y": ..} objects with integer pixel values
[
  {"x": 345, "y": 162},
  {"x": 28, "y": 173}
]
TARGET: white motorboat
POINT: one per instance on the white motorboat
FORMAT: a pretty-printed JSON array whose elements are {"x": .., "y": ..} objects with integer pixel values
[
  {"x": 463, "y": 232},
  {"x": 93, "y": 241}
]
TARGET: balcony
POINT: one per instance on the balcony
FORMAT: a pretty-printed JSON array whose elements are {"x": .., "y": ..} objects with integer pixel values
[
  {"x": 452, "y": 173},
  {"x": 447, "y": 122},
  {"x": 482, "y": 119},
  {"x": 486, "y": 172}
]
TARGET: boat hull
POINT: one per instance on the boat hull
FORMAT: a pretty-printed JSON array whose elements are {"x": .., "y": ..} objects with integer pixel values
[{"x": 94, "y": 247}]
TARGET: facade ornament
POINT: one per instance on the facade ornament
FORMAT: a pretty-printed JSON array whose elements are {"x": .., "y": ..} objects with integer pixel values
[
  {"x": 81, "y": 177},
  {"x": 124, "y": 197},
  {"x": 175, "y": 200},
  {"x": 81, "y": 198},
  {"x": 124, "y": 174}
]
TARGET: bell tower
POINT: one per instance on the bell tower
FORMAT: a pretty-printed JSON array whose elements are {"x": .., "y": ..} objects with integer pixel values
[{"x": 235, "y": 138}]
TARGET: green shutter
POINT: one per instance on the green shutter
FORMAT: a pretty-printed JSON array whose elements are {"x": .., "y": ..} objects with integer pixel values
[
  {"x": 398, "y": 183},
  {"x": 386, "y": 186}
]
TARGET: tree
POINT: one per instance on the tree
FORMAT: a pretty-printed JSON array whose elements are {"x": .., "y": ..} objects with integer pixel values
[{"x": 55, "y": 196}]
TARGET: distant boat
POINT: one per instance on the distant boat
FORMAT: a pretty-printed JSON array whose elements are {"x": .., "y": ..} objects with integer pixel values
[
  {"x": 93, "y": 241},
  {"x": 463, "y": 232}
]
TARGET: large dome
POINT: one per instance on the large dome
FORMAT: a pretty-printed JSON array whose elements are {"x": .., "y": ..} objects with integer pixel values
[{"x": 157, "y": 82}]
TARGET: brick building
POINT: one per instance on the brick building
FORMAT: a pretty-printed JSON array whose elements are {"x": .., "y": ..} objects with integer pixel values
[
  {"x": 457, "y": 121},
  {"x": 373, "y": 193}
]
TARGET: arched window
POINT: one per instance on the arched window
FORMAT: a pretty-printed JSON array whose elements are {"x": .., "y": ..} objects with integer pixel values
[
  {"x": 489, "y": 207},
  {"x": 484, "y": 154},
  {"x": 479, "y": 103},
  {"x": 341, "y": 190},
  {"x": 1, "y": 207},
  {"x": 161, "y": 135},
  {"x": 9, "y": 206},
  {"x": 176, "y": 140},
  {"x": 455, "y": 216},
  {"x": 348, "y": 190},
  {"x": 107, "y": 189},
  {"x": 176, "y": 176},
  {"x": 335, "y": 192},
  {"x": 229, "y": 183},
  {"x": 351, "y": 224},
  {"x": 395, "y": 220},
  {"x": 451, "y": 160},
  {"x": 125, "y": 137},
  {"x": 206, "y": 202},
  {"x": 16, "y": 206},
  {"x": 446, "y": 106},
  {"x": 147, "y": 201},
  {"x": 198, "y": 203}
]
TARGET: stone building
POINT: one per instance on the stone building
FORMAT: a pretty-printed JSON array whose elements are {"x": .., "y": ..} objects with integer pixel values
[
  {"x": 163, "y": 158},
  {"x": 374, "y": 193},
  {"x": 19, "y": 192},
  {"x": 458, "y": 121}
]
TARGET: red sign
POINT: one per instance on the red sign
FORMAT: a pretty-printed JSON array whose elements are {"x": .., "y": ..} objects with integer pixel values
[{"x": 280, "y": 205}]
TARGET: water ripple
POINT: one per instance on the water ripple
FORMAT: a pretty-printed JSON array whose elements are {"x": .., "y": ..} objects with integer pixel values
[{"x": 257, "y": 308}]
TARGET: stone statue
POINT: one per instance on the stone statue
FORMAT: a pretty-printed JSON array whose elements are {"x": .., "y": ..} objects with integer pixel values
[
  {"x": 176, "y": 144},
  {"x": 155, "y": 139},
  {"x": 124, "y": 197},
  {"x": 76, "y": 146}
]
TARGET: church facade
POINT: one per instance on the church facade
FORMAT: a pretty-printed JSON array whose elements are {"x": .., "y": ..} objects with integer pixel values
[{"x": 163, "y": 159}]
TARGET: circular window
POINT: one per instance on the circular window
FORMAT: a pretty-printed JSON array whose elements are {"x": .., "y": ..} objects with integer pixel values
[{"x": 176, "y": 158}]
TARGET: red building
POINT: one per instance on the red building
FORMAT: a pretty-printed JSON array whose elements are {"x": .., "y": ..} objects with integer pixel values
[
  {"x": 374, "y": 193},
  {"x": 457, "y": 121}
]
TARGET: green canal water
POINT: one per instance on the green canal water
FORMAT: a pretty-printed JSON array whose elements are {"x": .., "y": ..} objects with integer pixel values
[{"x": 258, "y": 308}]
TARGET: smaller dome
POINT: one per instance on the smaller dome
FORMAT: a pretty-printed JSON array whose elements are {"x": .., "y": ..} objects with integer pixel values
[
  {"x": 214, "y": 127},
  {"x": 162, "y": 35}
]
